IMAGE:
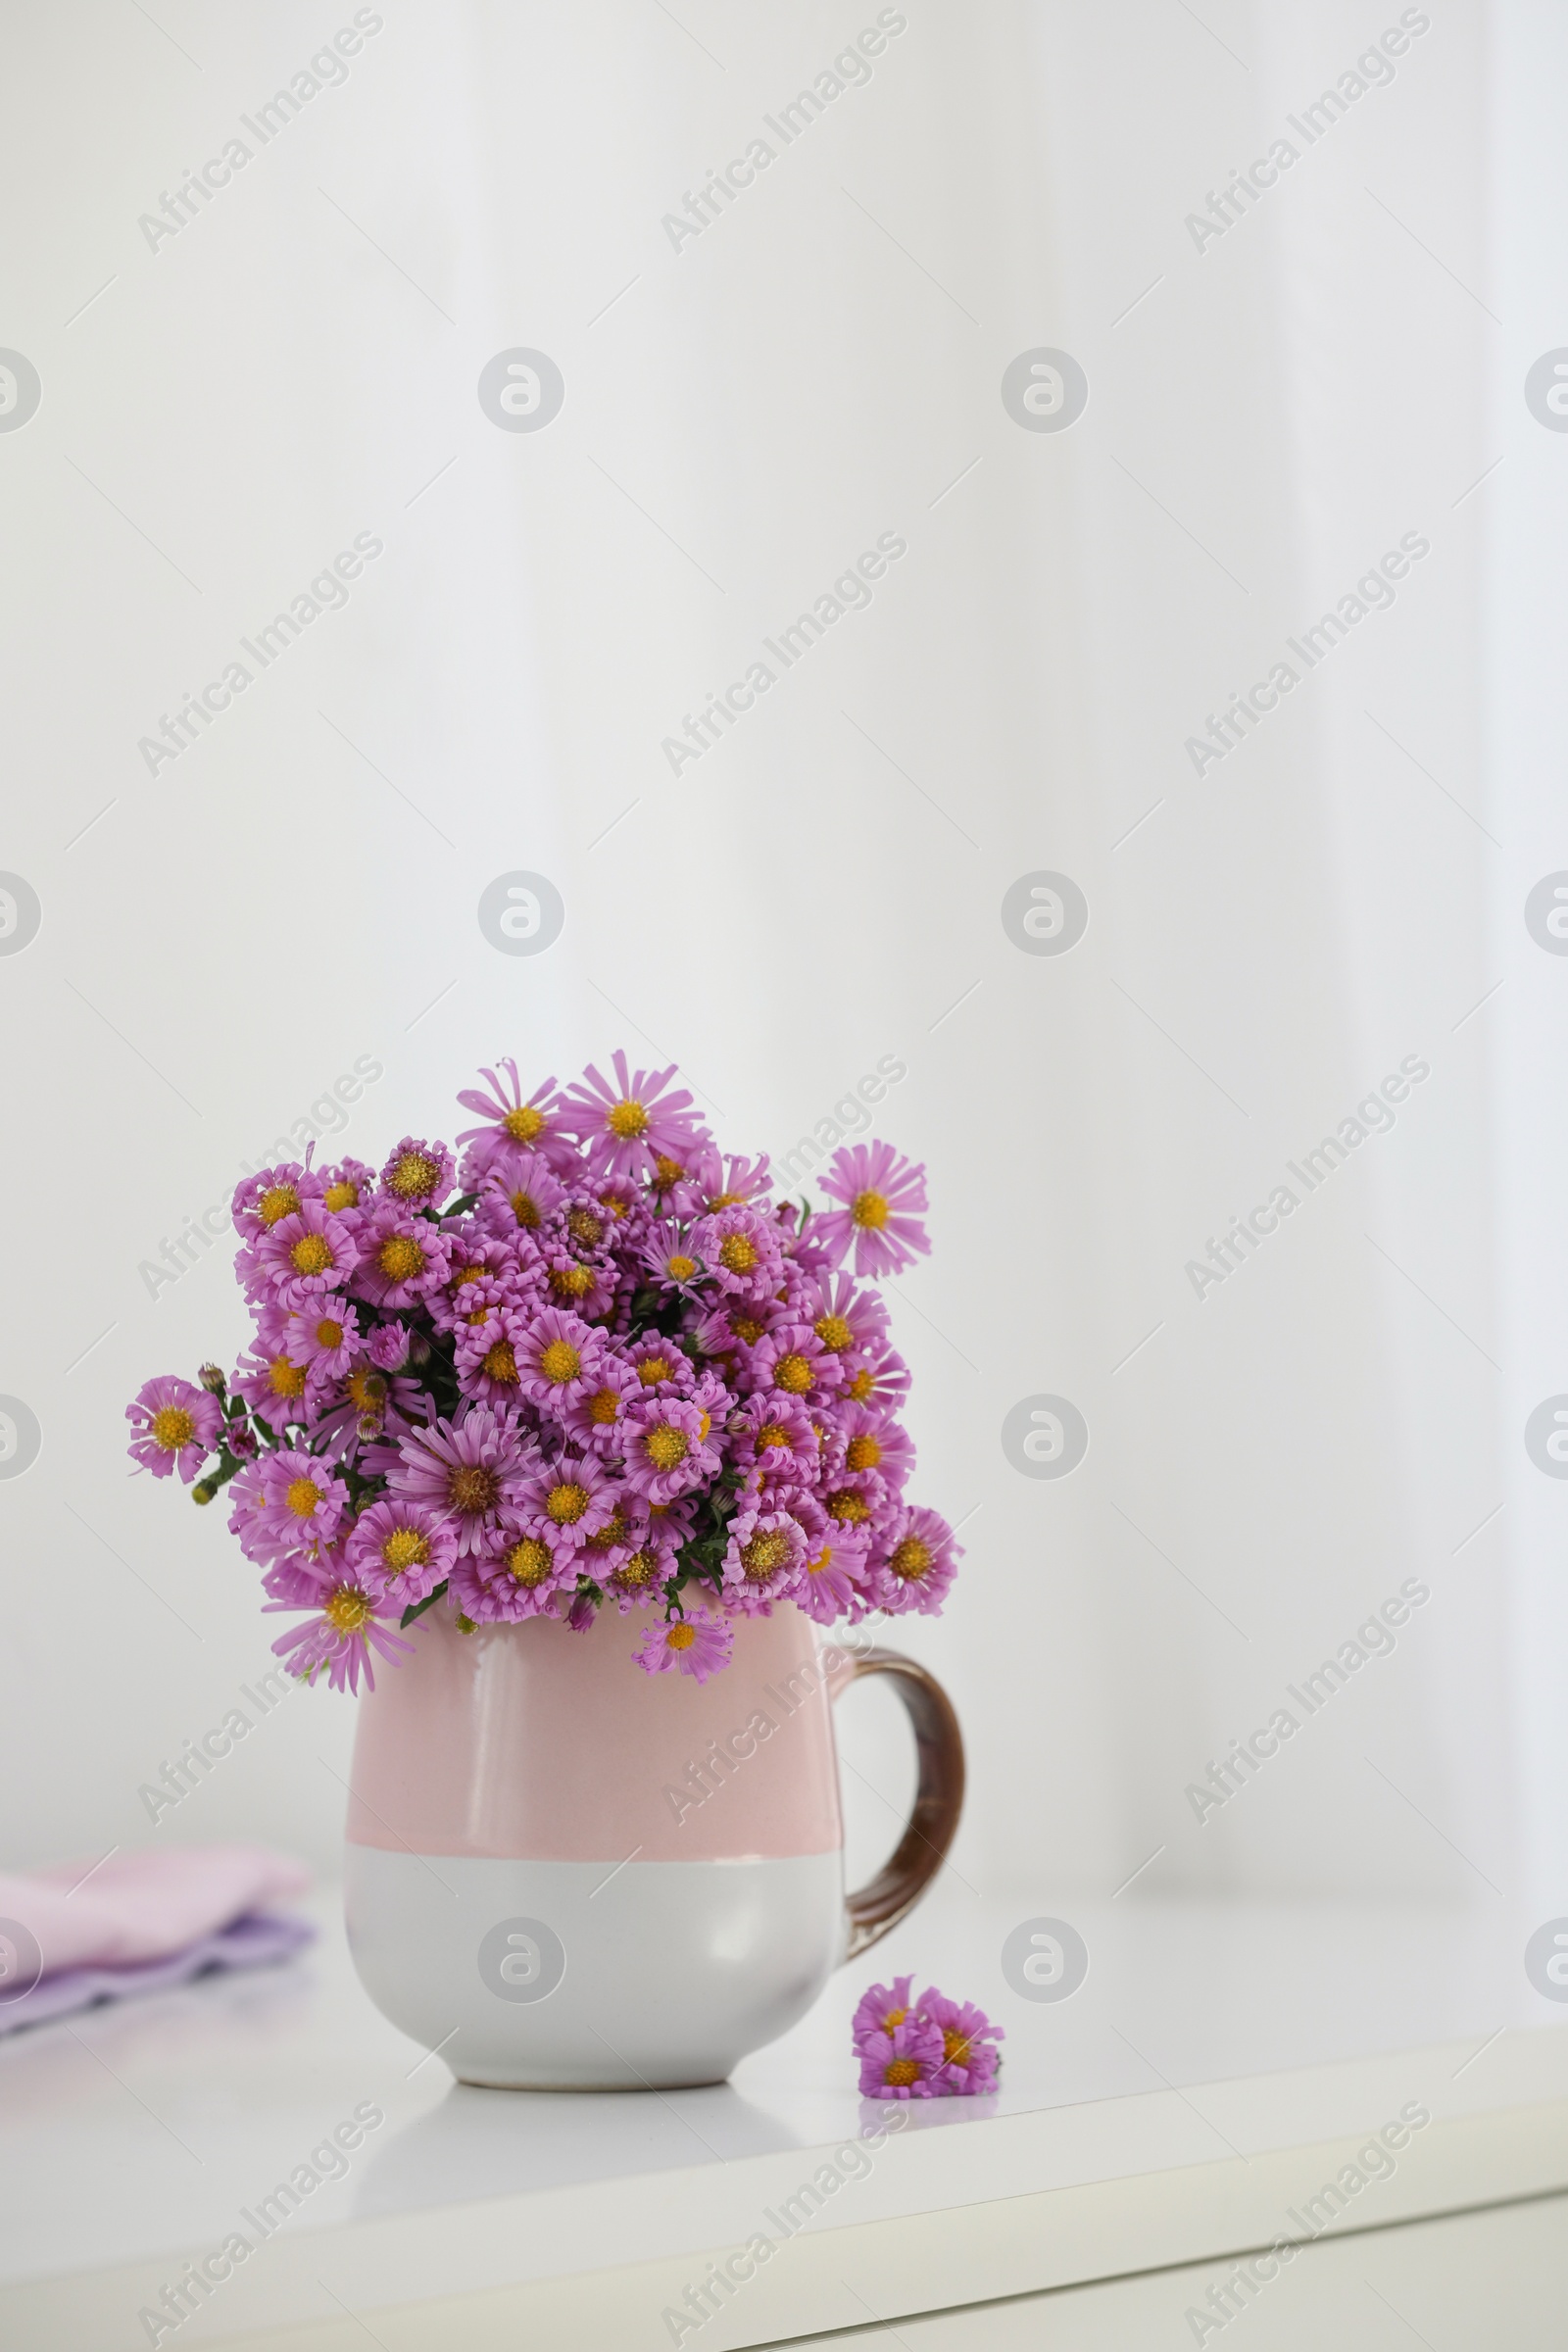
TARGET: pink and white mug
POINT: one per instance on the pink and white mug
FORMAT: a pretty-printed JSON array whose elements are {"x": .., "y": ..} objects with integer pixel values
[{"x": 573, "y": 1875}]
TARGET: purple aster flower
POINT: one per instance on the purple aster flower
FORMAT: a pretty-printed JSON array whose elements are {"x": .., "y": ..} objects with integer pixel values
[
  {"x": 740, "y": 1248},
  {"x": 880, "y": 1380},
  {"x": 511, "y": 1124},
  {"x": 794, "y": 1359},
  {"x": 668, "y": 1445},
  {"x": 516, "y": 1576},
  {"x": 969, "y": 2057},
  {"x": 324, "y": 1338},
  {"x": 915, "y": 1562},
  {"x": 516, "y": 1194},
  {"x": 668, "y": 1257},
  {"x": 628, "y": 1128},
  {"x": 348, "y": 1190},
  {"x": 417, "y": 1175},
  {"x": 720, "y": 1180},
  {"x": 598, "y": 1417},
  {"x": 403, "y": 1257},
  {"x": 273, "y": 1385},
  {"x": 660, "y": 1366},
  {"x": 881, "y": 1191},
  {"x": 903, "y": 2064},
  {"x": 774, "y": 1434},
  {"x": 560, "y": 1358},
  {"x": 632, "y": 1557},
  {"x": 487, "y": 1338},
  {"x": 476, "y": 1257},
  {"x": 351, "y": 1624},
  {"x": 400, "y": 1550},
  {"x": 306, "y": 1253},
  {"x": 389, "y": 1346},
  {"x": 837, "y": 1578},
  {"x": 582, "y": 1283},
  {"x": 176, "y": 1426},
  {"x": 298, "y": 1505},
  {"x": 695, "y": 1646},
  {"x": 849, "y": 1320},
  {"x": 265, "y": 1198},
  {"x": 881, "y": 2008},
  {"x": 471, "y": 1470},
  {"x": 765, "y": 1560},
  {"x": 563, "y": 1503},
  {"x": 867, "y": 1444}
]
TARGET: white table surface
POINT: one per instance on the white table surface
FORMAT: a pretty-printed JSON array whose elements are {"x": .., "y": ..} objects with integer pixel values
[{"x": 1153, "y": 2116}]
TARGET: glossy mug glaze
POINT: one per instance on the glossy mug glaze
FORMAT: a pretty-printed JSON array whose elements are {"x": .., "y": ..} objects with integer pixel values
[{"x": 568, "y": 1874}]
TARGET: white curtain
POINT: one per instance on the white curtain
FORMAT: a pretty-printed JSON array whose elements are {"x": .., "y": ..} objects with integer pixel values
[{"x": 1272, "y": 412}]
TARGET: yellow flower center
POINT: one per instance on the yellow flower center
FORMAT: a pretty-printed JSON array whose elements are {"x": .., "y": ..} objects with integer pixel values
[
  {"x": 846, "y": 1507},
  {"x": 771, "y": 1433},
  {"x": 911, "y": 1559},
  {"x": 571, "y": 1282},
  {"x": 626, "y": 1122},
  {"x": 603, "y": 1407},
  {"x": 283, "y": 1378},
  {"x": 341, "y": 1196},
  {"x": 793, "y": 1374},
  {"x": 466, "y": 1274},
  {"x": 893, "y": 2017},
  {"x": 680, "y": 1268},
  {"x": 400, "y": 1258},
  {"x": 366, "y": 1388},
  {"x": 280, "y": 1200},
  {"x": 653, "y": 1369},
  {"x": 704, "y": 1422},
  {"x": 525, "y": 1208},
  {"x": 614, "y": 1532},
  {"x": 666, "y": 1171},
  {"x": 500, "y": 1364},
  {"x": 746, "y": 1328},
  {"x": 726, "y": 1200},
  {"x": 864, "y": 1453},
  {"x": 303, "y": 1497},
  {"x": 528, "y": 1562},
  {"x": 764, "y": 1555},
  {"x": 560, "y": 1361},
  {"x": 680, "y": 1636},
  {"x": 414, "y": 1174},
  {"x": 584, "y": 1227},
  {"x": 898, "y": 2073},
  {"x": 635, "y": 1572},
  {"x": 405, "y": 1548},
  {"x": 172, "y": 1427},
  {"x": 665, "y": 1446},
  {"x": 869, "y": 1210},
  {"x": 524, "y": 1124},
  {"x": 823, "y": 1559},
  {"x": 470, "y": 1486},
  {"x": 347, "y": 1610},
  {"x": 955, "y": 2048},
  {"x": 738, "y": 1253},
  {"x": 833, "y": 1332},
  {"x": 329, "y": 1333},
  {"x": 860, "y": 1386},
  {"x": 312, "y": 1254},
  {"x": 566, "y": 1503}
]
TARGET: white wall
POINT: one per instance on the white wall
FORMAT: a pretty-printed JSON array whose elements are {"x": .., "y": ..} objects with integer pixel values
[{"x": 824, "y": 888}]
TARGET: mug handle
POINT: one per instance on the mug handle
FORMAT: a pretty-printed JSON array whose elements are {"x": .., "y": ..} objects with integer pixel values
[{"x": 877, "y": 1908}]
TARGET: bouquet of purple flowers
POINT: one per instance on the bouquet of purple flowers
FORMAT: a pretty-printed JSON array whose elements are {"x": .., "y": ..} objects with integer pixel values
[{"x": 611, "y": 1369}]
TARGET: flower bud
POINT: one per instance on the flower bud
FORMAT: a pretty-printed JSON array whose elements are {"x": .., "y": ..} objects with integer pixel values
[
  {"x": 204, "y": 1489},
  {"x": 211, "y": 1378}
]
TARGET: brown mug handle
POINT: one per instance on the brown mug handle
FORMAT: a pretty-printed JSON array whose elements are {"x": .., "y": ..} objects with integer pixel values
[{"x": 920, "y": 1853}]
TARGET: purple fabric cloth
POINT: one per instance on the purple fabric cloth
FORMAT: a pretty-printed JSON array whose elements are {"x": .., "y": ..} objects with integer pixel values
[{"x": 252, "y": 1941}]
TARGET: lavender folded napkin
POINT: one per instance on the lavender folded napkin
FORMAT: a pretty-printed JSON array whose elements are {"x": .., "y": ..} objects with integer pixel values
[{"x": 139, "y": 1922}]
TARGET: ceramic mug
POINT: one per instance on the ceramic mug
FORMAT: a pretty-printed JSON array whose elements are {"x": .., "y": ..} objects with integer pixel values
[{"x": 568, "y": 1874}]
